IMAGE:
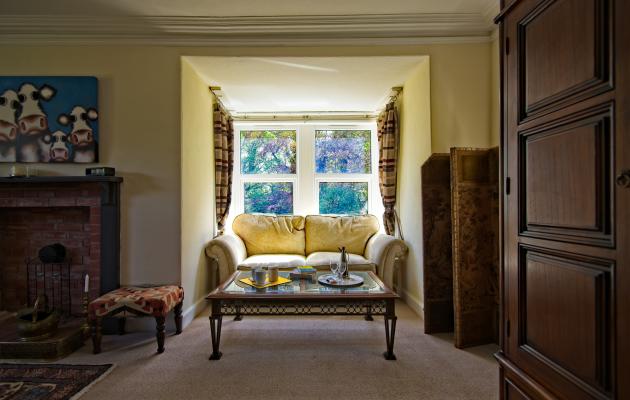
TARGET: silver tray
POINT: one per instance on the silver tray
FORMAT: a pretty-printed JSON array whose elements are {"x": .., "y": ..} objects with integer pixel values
[{"x": 351, "y": 281}]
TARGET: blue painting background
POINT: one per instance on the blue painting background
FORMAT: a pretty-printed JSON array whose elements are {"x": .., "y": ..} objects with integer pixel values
[{"x": 71, "y": 91}]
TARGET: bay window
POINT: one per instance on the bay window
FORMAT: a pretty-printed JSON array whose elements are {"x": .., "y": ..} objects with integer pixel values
[{"x": 303, "y": 169}]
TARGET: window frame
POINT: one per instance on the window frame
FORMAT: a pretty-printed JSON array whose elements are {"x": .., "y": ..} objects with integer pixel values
[
  {"x": 239, "y": 179},
  {"x": 305, "y": 180},
  {"x": 371, "y": 178}
]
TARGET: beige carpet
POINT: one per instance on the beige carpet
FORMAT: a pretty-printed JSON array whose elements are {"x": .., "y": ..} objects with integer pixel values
[{"x": 294, "y": 358}]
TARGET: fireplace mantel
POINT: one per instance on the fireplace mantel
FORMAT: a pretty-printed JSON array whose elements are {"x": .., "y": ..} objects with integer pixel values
[{"x": 61, "y": 179}]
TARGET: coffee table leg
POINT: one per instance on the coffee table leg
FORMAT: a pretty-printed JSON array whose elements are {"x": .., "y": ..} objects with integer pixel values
[
  {"x": 215, "y": 330},
  {"x": 238, "y": 316},
  {"x": 368, "y": 314},
  {"x": 390, "y": 330}
]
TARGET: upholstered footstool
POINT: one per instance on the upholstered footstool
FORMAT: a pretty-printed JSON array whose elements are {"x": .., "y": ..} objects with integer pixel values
[{"x": 140, "y": 301}]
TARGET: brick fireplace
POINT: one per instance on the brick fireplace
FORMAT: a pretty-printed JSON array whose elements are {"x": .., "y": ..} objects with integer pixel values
[{"x": 81, "y": 213}]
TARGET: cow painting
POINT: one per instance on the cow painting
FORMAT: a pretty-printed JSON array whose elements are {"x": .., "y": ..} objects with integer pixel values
[
  {"x": 59, "y": 151},
  {"x": 33, "y": 123},
  {"x": 49, "y": 119},
  {"x": 81, "y": 135},
  {"x": 9, "y": 105}
]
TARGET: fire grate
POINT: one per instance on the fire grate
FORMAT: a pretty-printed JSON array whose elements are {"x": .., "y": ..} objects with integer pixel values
[{"x": 51, "y": 279}]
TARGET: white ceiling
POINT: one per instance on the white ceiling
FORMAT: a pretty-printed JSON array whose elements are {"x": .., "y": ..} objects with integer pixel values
[
  {"x": 297, "y": 84},
  {"x": 242, "y": 7}
]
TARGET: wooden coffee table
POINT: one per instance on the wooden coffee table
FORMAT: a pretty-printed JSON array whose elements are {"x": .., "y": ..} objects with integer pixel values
[{"x": 302, "y": 297}]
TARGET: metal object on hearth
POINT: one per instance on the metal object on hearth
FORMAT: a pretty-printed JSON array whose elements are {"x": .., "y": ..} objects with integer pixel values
[
  {"x": 51, "y": 279},
  {"x": 86, "y": 318},
  {"x": 37, "y": 322}
]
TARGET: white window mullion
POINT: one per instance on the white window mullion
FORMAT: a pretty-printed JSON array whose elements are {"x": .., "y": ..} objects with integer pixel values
[{"x": 306, "y": 200}]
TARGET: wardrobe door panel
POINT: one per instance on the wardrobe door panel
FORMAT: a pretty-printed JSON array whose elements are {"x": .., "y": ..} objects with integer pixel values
[
  {"x": 565, "y": 177},
  {"x": 560, "y": 294},
  {"x": 563, "y": 51}
]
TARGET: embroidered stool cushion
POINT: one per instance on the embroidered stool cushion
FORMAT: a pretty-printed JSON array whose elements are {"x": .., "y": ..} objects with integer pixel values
[{"x": 154, "y": 301}]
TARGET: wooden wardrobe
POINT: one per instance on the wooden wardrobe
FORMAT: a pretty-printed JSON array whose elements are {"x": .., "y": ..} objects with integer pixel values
[{"x": 565, "y": 275}]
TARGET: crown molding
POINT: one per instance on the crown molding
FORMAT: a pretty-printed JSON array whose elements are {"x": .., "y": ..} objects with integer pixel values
[
  {"x": 390, "y": 29},
  {"x": 490, "y": 10}
]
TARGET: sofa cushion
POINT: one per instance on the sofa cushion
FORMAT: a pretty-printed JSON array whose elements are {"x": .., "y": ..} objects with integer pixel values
[
  {"x": 266, "y": 234},
  {"x": 321, "y": 261},
  {"x": 288, "y": 261},
  {"x": 327, "y": 233}
]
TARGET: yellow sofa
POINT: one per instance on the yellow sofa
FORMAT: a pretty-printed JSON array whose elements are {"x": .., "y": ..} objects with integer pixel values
[{"x": 313, "y": 240}]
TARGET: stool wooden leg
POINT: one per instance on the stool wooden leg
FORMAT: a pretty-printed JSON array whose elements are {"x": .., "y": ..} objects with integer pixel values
[
  {"x": 121, "y": 325},
  {"x": 178, "y": 318},
  {"x": 160, "y": 333},
  {"x": 96, "y": 335}
]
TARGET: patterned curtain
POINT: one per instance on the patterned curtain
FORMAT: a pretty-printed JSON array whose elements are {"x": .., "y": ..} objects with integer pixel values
[
  {"x": 388, "y": 141},
  {"x": 223, "y": 164}
]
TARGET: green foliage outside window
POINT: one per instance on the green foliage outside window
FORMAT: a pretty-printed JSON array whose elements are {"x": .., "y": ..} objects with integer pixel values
[
  {"x": 268, "y": 152},
  {"x": 269, "y": 197},
  {"x": 343, "y": 198},
  {"x": 342, "y": 151}
]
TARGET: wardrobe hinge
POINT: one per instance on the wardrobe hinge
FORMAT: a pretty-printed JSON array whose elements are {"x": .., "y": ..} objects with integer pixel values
[
  {"x": 507, "y": 45},
  {"x": 507, "y": 328},
  {"x": 507, "y": 185}
]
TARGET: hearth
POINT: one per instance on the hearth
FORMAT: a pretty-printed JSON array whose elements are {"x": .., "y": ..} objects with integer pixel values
[{"x": 82, "y": 214}]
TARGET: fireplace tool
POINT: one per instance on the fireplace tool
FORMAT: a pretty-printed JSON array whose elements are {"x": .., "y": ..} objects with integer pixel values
[{"x": 37, "y": 322}]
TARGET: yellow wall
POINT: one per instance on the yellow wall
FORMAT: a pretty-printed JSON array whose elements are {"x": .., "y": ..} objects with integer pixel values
[
  {"x": 197, "y": 175},
  {"x": 460, "y": 97},
  {"x": 139, "y": 125},
  {"x": 141, "y": 132},
  {"x": 415, "y": 148},
  {"x": 446, "y": 103}
]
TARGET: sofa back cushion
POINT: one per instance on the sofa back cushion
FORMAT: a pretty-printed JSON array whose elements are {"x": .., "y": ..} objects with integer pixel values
[
  {"x": 266, "y": 234},
  {"x": 326, "y": 233}
]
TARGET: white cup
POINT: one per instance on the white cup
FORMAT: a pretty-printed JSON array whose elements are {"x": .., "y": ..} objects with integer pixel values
[
  {"x": 272, "y": 273},
  {"x": 259, "y": 276}
]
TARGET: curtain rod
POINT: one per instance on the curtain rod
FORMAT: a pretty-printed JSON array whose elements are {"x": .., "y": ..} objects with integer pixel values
[
  {"x": 396, "y": 91},
  {"x": 217, "y": 97},
  {"x": 303, "y": 117}
]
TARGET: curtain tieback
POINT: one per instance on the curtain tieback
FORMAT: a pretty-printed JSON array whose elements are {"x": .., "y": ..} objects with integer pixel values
[{"x": 391, "y": 211}]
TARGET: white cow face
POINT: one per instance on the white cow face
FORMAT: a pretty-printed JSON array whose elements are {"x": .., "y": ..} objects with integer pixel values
[
  {"x": 9, "y": 105},
  {"x": 82, "y": 134},
  {"x": 58, "y": 146},
  {"x": 32, "y": 119}
]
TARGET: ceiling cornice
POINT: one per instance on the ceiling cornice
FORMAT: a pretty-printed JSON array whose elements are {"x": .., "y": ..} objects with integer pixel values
[
  {"x": 315, "y": 30},
  {"x": 491, "y": 9}
]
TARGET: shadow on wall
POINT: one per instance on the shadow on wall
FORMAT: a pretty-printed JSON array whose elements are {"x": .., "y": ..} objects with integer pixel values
[
  {"x": 133, "y": 183},
  {"x": 204, "y": 275}
]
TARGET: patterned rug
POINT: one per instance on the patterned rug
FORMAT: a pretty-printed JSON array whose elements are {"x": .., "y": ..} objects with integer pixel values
[{"x": 48, "y": 381}]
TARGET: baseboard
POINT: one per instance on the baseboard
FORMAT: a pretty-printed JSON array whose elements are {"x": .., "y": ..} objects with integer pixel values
[
  {"x": 191, "y": 312},
  {"x": 415, "y": 304}
]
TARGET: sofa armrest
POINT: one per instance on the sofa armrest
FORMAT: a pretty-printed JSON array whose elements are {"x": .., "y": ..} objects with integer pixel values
[
  {"x": 227, "y": 251},
  {"x": 388, "y": 253}
]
